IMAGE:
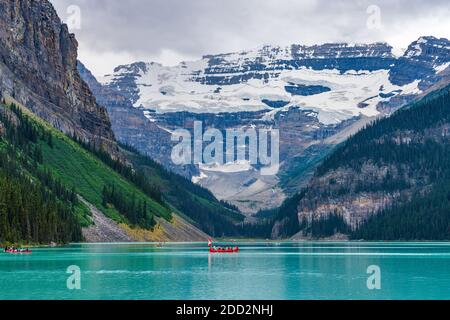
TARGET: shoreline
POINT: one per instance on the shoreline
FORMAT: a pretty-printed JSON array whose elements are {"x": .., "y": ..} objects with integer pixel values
[{"x": 234, "y": 241}]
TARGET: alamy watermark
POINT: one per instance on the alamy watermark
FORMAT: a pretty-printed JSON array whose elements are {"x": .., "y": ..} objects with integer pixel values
[
  {"x": 74, "y": 280},
  {"x": 259, "y": 148},
  {"x": 374, "y": 279},
  {"x": 374, "y": 20},
  {"x": 73, "y": 18}
]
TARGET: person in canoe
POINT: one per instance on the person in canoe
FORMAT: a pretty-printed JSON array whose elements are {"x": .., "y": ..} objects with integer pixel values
[
  {"x": 213, "y": 249},
  {"x": 13, "y": 250}
]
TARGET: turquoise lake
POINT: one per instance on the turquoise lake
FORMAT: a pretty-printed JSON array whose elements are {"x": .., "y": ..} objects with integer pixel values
[{"x": 261, "y": 271}]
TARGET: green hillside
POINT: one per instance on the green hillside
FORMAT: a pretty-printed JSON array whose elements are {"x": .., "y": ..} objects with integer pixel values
[
  {"x": 80, "y": 168},
  {"x": 32, "y": 150}
]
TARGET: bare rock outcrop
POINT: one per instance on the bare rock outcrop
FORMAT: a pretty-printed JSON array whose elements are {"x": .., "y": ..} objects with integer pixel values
[{"x": 38, "y": 68}]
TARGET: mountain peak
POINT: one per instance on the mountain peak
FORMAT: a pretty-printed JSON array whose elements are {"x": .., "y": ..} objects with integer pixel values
[
  {"x": 428, "y": 46},
  {"x": 132, "y": 68}
]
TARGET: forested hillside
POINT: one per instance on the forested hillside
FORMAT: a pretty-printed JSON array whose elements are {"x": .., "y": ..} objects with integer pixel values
[
  {"x": 35, "y": 207},
  {"x": 41, "y": 173},
  {"x": 60, "y": 168},
  {"x": 390, "y": 181},
  {"x": 192, "y": 201}
]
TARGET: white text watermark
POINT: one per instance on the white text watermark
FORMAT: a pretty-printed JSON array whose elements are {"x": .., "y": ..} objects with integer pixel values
[{"x": 257, "y": 147}]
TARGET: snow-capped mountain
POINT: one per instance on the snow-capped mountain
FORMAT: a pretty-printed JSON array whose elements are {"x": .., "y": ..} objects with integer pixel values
[
  {"x": 333, "y": 79},
  {"x": 316, "y": 96}
]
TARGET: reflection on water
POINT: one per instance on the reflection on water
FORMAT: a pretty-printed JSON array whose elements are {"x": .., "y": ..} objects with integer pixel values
[{"x": 259, "y": 271}]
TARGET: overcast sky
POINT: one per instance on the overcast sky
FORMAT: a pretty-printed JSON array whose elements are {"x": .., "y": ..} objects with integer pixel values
[{"x": 114, "y": 32}]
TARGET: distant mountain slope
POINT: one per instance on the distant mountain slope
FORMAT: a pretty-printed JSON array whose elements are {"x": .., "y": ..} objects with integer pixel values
[
  {"x": 38, "y": 67},
  {"x": 131, "y": 127},
  {"x": 391, "y": 181},
  {"x": 195, "y": 203},
  {"x": 315, "y": 95}
]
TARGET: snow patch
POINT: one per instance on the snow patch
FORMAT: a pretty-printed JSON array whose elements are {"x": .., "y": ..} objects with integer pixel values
[
  {"x": 442, "y": 67},
  {"x": 172, "y": 90},
  {"x": 197, "y": 179}
]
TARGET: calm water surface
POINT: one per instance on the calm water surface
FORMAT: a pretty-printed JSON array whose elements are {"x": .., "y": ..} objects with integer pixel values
[{"x": 260, "y": 271}]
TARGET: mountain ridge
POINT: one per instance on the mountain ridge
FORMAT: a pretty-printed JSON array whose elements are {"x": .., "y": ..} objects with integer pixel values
[{"x": 313, "y": 94}]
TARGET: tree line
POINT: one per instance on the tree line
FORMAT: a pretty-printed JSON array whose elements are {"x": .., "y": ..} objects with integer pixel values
[
  {"x": 35, "y": 207},
  {"x": 136, "y": 211}
]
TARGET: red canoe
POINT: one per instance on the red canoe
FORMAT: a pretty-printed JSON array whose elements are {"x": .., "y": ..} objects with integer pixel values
[
  {"x": 223, "y": 250},
  {"x": 18, "y": 252},
  {"x": 213, "y": 249}
]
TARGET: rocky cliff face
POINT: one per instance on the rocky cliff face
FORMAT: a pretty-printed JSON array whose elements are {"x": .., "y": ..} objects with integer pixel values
[
  {"x": 425, "y": 59},
  {"x": 38, "y": 68}
]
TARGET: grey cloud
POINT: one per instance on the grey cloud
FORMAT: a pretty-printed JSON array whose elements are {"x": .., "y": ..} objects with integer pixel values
[{"x": 144, "y": 28}]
